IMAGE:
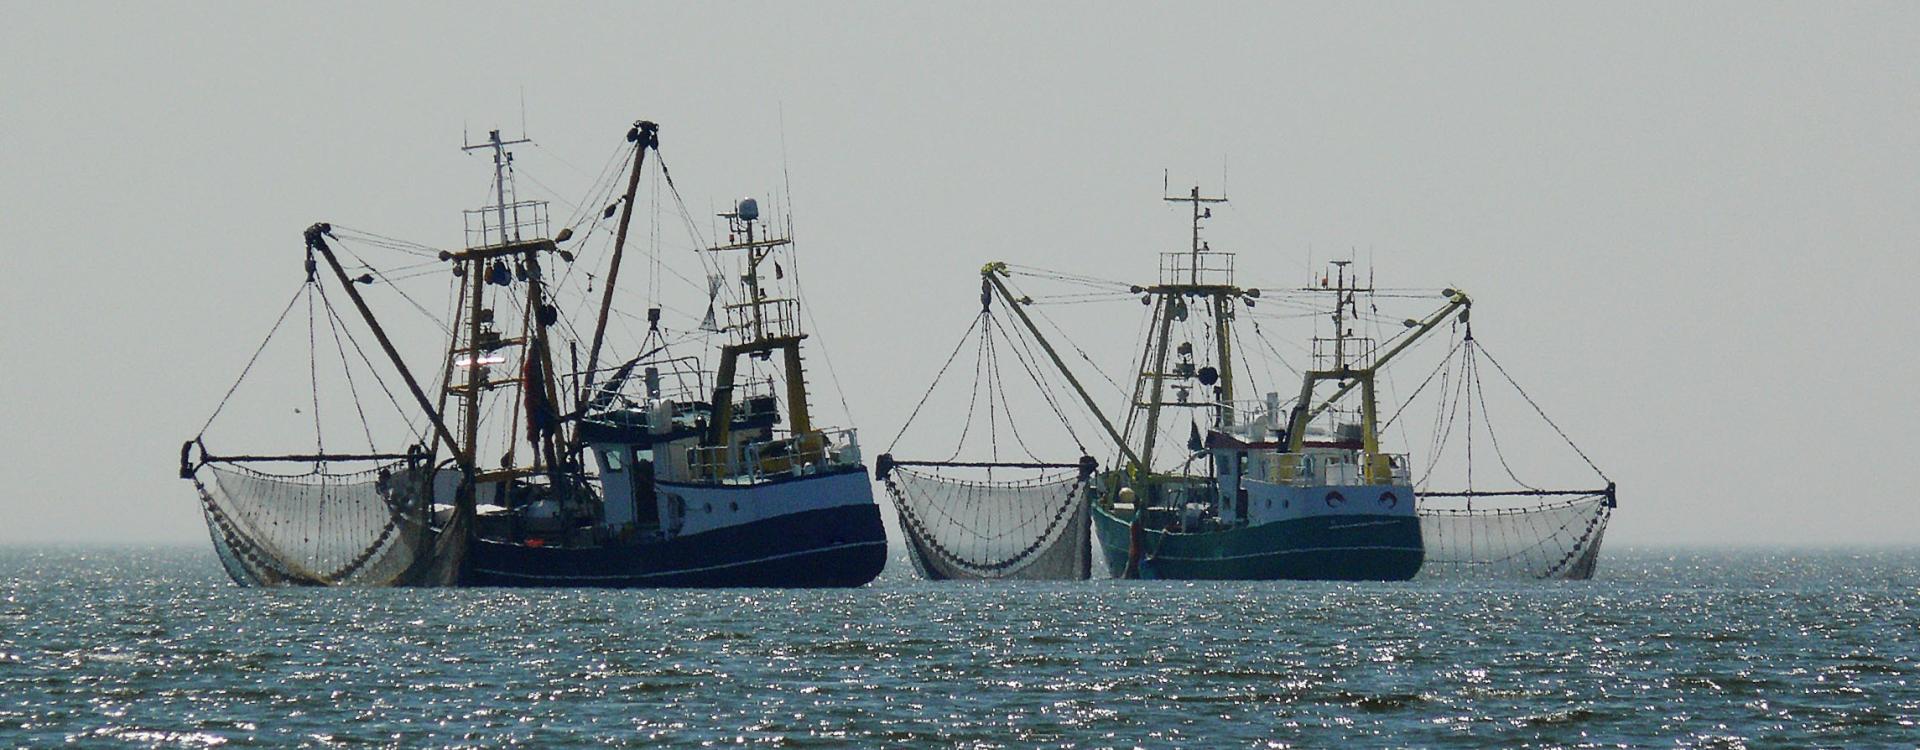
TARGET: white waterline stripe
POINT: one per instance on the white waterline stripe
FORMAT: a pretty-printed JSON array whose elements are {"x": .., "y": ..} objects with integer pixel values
[
  {"x": 1288, "y": 552},
  {"x": 682, "y": 570}
]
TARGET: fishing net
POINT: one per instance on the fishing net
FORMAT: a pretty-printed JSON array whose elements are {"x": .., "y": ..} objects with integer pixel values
[
  {"x": 1030, "y": 529},
  {"x": 1556, "y": 538},
  {"x": 324, "y": 528}
]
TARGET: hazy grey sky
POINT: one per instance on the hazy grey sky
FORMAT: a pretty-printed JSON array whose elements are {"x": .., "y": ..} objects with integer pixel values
[{"x": 1691, "y": 228}]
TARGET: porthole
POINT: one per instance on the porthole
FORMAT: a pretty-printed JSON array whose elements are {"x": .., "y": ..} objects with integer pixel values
[
  {"x": 1389, "y": 500},
  {"x": 1335, "y": 499},
  {"x": 735, "y": 507}
]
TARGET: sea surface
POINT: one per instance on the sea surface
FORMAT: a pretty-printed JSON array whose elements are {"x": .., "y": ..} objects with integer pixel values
[{"x": 1667, "y": 648}]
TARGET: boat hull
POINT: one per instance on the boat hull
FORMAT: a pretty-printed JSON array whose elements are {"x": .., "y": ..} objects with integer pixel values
[
  {"x": 839, "y": 546},
  {"x": 1347, "y": 547}
]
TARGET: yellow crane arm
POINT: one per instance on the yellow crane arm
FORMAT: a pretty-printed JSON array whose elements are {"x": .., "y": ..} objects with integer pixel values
[
  {"x": 991, "y": 272},
  {"x": 1457, "y": 302}
]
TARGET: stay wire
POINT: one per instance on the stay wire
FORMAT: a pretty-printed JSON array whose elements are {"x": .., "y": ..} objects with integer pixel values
[
  {"x": 936, "y": 382},
  {"x": 1261, "y": 336},
  {"x": 1444, "y": 362},
  {"x": 990, "y": 376},
  {"x": 1443, "y": 422},
  {"x": 255, "y": 358},
  {"x": 994, "y": 325},
  {"x": 346, "y": 369},
  {"x": 826, "y": 355},
  {"x": 313, "y": 373},
  {"x": 1542, "y": 413},
  {"x": 371, "y": 369},
  {"x": 1082, "y": 352},
  {"x": 1029, "y": 362},
  {"x": 1487, "y": 419},
  {"x": 396, "y": 288},
  {"x": 973, "y": 395}
]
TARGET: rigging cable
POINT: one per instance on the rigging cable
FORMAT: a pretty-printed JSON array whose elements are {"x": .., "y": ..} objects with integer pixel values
[
  {"x": 1543, "y": 414},
  {"x": 994, "y": 325},
  {"x": 799, "y": 292},
  {"x": 1487, "y": 419},
  {"x": 1030, "y": 362},
  {"x": 936, "y": 382},
  {"x": 313, "y": 373},
  {"x": 371, "y": 369},
  {"x": 1448, "y": 360},
  {"x": 346, "y": 370},
  {"x": 255, "y": 358}
]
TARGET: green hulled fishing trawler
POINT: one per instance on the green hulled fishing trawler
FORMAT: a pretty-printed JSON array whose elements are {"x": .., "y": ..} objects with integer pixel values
[{"x": 1269, "y": 488}]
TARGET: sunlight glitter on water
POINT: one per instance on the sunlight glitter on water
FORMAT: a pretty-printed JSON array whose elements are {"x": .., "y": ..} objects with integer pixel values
[{"x": 154, "y": 649}]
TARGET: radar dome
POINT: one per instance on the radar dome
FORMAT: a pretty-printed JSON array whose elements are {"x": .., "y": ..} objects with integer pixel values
[{"x": 747, "y": 209}]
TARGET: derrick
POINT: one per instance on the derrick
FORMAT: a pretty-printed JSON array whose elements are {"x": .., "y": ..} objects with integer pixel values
[
  {"x": 1007, "y": 514},
  {"x": 1501, "y": 526},
  {"x": 325, "y": 516}
]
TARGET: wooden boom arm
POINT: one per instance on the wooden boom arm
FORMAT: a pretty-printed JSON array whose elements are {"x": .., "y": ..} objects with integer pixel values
[
  {"x": 991, "y": 273},
  {"x": 644, "y": 135},
  {"x": 316, "y": 242}
]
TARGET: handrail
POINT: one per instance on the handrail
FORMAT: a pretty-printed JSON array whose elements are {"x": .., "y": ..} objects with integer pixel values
[
  {"x": 796, "y": 455},
  {"x": 1300, "y": 469}
]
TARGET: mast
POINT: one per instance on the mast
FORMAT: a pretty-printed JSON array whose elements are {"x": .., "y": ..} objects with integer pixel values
[
  {"x": 537, "y": 390},
  {"x": 476, "y": 270},
  {"x": 1204, "y": 274},
  {"x": 1158, "y": 373},
  {"x": 765, "y": 325},
  {"x": 501, "y": 160},
  {"x": 1340, "y": 315}
]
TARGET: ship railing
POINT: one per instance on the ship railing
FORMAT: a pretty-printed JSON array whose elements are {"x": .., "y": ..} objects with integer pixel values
[
  {"x": 681, "y": 386},
  {"x": 1330, "y": 352},
  {"x": 1205, "y": 269},
  {"x": 745, "y": 391},
  {"x": 1249, "y": 411},
  {"x": 766, "y": 319},
  {"x": 1321, "y": 468},
  {"x": 806, "y": 454},
  {"x": 680, "y": 379},
  {"x": 523, "y": 220}
]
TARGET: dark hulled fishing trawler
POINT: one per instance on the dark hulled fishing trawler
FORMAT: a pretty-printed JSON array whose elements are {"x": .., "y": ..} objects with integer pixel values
[{"x": 659, "y": 471}]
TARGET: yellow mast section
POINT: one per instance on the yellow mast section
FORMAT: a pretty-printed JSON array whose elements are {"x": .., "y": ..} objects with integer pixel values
[{"x": 1457, "y": 303}]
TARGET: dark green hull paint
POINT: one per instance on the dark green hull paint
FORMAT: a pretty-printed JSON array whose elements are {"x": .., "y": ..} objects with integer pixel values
[{"x": 1386, "y": 548}]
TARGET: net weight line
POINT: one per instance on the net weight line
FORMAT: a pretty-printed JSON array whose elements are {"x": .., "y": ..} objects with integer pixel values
[
  {"x": 938, "y": 525},
  {"x": 991, "y": 529},
  {"x": 317, "y": 528},
  {"x": 1546, "y": 540}
]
